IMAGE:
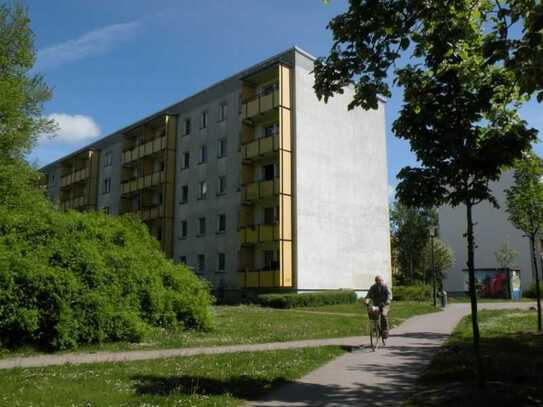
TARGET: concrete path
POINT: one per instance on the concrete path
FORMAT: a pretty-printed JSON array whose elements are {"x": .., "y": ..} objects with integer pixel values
[{"x": 381, "y": 378}]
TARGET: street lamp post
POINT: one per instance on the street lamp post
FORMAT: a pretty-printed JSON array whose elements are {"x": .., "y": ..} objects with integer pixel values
[{"x": 432, "y": 235}]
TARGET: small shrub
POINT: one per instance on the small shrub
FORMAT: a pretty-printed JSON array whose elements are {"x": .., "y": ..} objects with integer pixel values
[
  {"x": 412, "y": 292},
  {"x": 294, "y": 300},
  {"x": 530, "y": 292}
]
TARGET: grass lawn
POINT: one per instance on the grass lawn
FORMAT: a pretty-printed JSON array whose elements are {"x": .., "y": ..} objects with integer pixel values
[
  {"x": 513, "y": 356},
  {"x": 482, "y": 300},
  {"x": 252, "y": 324},
  {"x": 210, "y": 380}
]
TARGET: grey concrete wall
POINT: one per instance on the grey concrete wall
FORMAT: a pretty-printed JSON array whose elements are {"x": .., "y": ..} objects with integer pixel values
[
  {"x": 342, "y": 226},
  {"x": 229, "y": 204},
  {"x": 113, "y": 198},
  {"x": 491, "y": 230}
]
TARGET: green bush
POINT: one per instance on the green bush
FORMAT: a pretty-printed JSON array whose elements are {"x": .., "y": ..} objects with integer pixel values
[
  {"x": 530, "y": 292},
  {"x": 293, "y": 300},
  {"x": 412, "y": 292},
  {"x": 74, "y": 278}
]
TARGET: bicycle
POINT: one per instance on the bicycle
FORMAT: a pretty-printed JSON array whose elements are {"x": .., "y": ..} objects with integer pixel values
[{"x": 376, "y": 327}]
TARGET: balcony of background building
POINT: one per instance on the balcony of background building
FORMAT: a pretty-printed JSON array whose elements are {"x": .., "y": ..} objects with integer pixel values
[
  {"x": 256, "y": 191},
  {"x": 144, "y": 140},
  {"x": 261, "y": 104},
  {"x": 250, "y": 235},
  {"x": 137, "y": 183},
  {"x": 76, "y": 169}
]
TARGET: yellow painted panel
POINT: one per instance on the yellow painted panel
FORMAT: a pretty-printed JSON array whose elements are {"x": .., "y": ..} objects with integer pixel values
[
  {"x": 286, "y": 217},
  {"x": 284, "y": 86},
  {"x": 252, "y": 280},
  {"x": 266, "y": 233},
  {"x": 286, "y": 263},
  {"x": 252, "y": 108},
  {"x": 251, "y": 191},
  {"x": 246, "y": 216},
  {"x": 267, "y": 279},
  {"x": 247, "y": 134},
  {"x": 284, "y": 128},
  {"x": 252, "y": 149},
  {"x": 266, "y": 102},
  {"x": 266, "y": 145},
  {"x": 286, "y": 173},
  {"x": 267, "y": 188}
]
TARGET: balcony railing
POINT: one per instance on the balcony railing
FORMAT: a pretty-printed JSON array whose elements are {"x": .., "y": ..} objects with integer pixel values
[
  {"x": 75, "y": 202},
  {"x": 151, "y": 147},
  {"x": 254, "y": 278},
  {"x": 260, "y": 190},
  {"x": 260, "y": 104},
  {"x": 260, "y": 147},
  {"x": 150, "y": 213},
  {"x": 74, "y": 177},
  {"x": 259, "y": 234},
  {"x": 143, "y": 182}
]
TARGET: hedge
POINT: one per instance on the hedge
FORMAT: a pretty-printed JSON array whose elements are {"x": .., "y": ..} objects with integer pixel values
[
  {"x": 294, "y": 300},
  {"x": 530, "y": 292},
  {"x": 412, "y": 292},
  {"x": 73, "y": 278}
]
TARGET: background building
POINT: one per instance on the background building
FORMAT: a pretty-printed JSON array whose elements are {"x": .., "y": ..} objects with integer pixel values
[
  {"x": 492, "y": 229},
  {"x": 252, "y": 182}
]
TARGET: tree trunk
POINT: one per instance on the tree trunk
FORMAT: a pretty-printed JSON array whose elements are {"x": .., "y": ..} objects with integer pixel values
[
  {"x": 473, "y": 297},
  {"x": 537, "y": 291}
]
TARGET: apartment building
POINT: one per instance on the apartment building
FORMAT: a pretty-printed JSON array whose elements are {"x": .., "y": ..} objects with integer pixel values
[
  {"x": 492, "y": 230},
  {"x": 252, "y": 182}
]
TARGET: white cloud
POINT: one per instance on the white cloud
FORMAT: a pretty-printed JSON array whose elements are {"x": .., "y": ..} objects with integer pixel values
[
  {"x": 72, "y": 129},
  {"x": 90, "y": 44}
]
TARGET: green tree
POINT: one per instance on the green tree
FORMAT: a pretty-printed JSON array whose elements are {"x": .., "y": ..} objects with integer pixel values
[
  {"x": 410, "y": 227},
  {"x": 525, "y": 208},
  {"x": 460, "y": 107},
  {"x": 22, "y": 94},
  {"x": 505, "y": 255},
  {"x": 443, "y": 258}
]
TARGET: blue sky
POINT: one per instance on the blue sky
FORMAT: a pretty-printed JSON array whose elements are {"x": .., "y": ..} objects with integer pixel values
[{"x": 113, "y": 62}]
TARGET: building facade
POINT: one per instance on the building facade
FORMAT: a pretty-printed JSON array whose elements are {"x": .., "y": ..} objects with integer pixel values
[
  {"x": 492, "y": 229},
  {"x": 252, "y": 182}
]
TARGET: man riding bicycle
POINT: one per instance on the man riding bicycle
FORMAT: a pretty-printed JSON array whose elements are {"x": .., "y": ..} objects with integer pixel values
[{"x": 380, "y": 296}]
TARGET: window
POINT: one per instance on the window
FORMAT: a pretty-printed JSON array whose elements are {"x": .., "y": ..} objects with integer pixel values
[
  {"x": 186, "y": 127},
  {"x": 202, "y": 190},
  {"x": 221, "y": 223},
  {"x": 52, "y": 179},
  {"x": 184, "y": 194},
  {"x": 267, "y": 89},
  {"x": 201, "y": 263},
  {"x": 221, "y": 148},
  {"x": 203, "y": 154},
  {"x": 159, "y": 233},
  {"x": 186, "y": 160},
  {"x": 271, "y": 130},
  {"x": 268, "y": 260},
  {"x": 106, "y": 210},
  {"x": 269, "y": 216},
  {"x": 203, "y": 120},
  {"x": 268, "y": 172},
  {"x": 108, "y": 159},
  {"x": 223, "y": 110},
  {"x": 201, "y": 226},
  {"x": 107, "y": 186},
  {"x": 183, "y": 259},
  {"x": 221, "y": 185},
  {"x": 221, "y": 261},
  {"x": 184, "y": 229}
]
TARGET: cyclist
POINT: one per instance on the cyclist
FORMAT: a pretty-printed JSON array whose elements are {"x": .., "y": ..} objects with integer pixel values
[{"x": 380, "y": 296}]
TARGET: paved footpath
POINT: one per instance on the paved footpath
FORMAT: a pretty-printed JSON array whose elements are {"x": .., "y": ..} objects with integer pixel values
[{"x": 381, "y": 378}]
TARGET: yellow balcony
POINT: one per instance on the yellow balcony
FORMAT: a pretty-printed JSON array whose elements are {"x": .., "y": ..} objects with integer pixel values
[
  {"x": 260, "y": 147},
  {"x": 151, "y": 147},
  {"x": 75, "y": 203},
  {"x": 260, "y": 190},
  {"x": 151, "y": 213},
  {"x": 259, "y": 234},
  {"x": 74, "y": 177},
  {"x": 259, "y": 105},
  {"x": 139, "y": 183},
  {"x": 260, "y": 279}
]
